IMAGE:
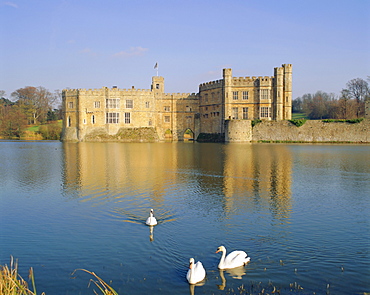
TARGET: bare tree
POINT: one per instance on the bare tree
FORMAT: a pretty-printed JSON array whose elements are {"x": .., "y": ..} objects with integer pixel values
[
  {"x": 358, "y": 89},
  {"x": 35, "y": 102}
]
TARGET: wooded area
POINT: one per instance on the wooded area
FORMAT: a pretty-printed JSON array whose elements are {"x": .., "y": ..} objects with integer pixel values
[
  {"x": 322, "y": 105},
  {"x": 29, "y": 106}
]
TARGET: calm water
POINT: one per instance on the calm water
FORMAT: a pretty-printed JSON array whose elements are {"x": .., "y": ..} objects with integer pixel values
[{"x": 301, "y": 212}]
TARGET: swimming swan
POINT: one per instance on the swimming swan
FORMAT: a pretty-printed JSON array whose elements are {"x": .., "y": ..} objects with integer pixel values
[
  {"x": 151, "y": 219},
  {"x": 196, "y": 272},
  {"x": 233, "y": 259}
]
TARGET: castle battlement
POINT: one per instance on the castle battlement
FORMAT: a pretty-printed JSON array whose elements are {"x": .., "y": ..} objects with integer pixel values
[
  {"x": 211, "y": 85},
  {"x": 177, "y": 95},
  {"x": 107, "y": 110}
]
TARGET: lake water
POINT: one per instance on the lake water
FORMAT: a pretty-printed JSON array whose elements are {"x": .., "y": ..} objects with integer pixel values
[{"x": 301, "y": 212}]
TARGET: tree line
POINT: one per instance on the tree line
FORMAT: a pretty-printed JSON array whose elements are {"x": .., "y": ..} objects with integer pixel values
[
  {"x": 349, "y": 105},
  {"x": 29, "y": 106}
]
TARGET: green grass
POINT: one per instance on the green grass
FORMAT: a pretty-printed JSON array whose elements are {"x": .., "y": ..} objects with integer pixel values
[
  {"x": 36, "y": 128},
  {"x": 296, "y": 116},
  {"x": 33, "y": 128}
]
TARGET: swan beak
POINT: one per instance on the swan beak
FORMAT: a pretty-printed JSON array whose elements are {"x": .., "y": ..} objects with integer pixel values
[{"x": 217, "y": 251}]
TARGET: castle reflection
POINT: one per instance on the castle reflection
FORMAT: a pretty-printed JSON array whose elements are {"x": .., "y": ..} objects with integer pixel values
[{"x": 233, "y": 176}]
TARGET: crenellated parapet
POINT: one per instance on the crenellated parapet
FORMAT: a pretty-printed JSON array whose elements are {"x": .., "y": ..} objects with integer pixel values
[
  {"x": 252, "y": 81},
  {"x": 235, "y": 99},
  {"x": 179, "y": 96},
  {"x": 211, "y": 85}
]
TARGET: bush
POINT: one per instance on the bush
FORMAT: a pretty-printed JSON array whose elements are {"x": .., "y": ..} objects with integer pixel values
[
  {"x": 298, "y": 122},
  {"x": 352, "y": 121},
  {"x": 51, "y": 131},
  {"x": 358, "y": 120},
  {"x": 255, "y": 122}
]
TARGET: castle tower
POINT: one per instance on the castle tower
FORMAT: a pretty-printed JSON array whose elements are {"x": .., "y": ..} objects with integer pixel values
[
  {"x": 157, "y": 84},
  {"x": 227, "y": 93},
  {"x": 279, "y": 93},
  {"x": 287, "y": 92}
]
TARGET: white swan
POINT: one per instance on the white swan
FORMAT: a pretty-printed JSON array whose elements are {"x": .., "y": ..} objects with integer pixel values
[
  {"x": 196, "y": 272},
  {"x": 233, "y": 259},
  {"x": 151, "y": 219}
]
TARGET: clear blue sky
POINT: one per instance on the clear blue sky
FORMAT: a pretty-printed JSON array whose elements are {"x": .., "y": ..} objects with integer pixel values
[{"x": 61, "y": 44}]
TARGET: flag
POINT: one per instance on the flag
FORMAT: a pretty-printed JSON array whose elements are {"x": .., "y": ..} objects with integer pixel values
[{"x": 156, "y": 65}]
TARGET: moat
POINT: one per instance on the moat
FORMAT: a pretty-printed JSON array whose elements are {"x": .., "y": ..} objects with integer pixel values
[{"x": 301, "y": 212}]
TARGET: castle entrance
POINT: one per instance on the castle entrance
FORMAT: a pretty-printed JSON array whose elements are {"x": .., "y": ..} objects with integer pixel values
[{"x": 188, "y": 135}]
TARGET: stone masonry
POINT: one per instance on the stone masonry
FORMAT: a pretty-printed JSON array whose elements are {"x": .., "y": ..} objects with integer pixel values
[{"x": 114, "y": 114}]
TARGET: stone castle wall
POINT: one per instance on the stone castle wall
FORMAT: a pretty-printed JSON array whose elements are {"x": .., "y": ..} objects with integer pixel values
[
  {"x": 103, "y": 113},
  {"x": 312, "y": 131}
]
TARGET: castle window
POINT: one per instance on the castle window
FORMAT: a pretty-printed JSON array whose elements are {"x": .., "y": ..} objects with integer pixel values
[
  {"x": 127, "y": 118},
  {"x": 156, "y": 86},
  {"x": 235, "y": 95},
  {"x": 96, "y": 104},
  {"x": 206, "y": 97},
  {"x": 167, "y": 108},
  {"x": 235, "y": 113},
  {"x": 150, "y": 122},
  {"x": 245, "y": 95},
  {"x": 70, "y": 105},
  {"x": 167, "y": 119},
  {"x": 84, "y": 121},
  {"x": 112, "y": 103},
  {"x": 129, "y": 104},
  {"x": 112, "y": 118},
  {"x": 69, "y": 122},
  {"x": 265, "y": 112},
  {"x": 264, "y": 93},
  {"x": 93, "y": 119},
  {"x": 245, "y": 113},
  {"x": 147, "y": 104}
]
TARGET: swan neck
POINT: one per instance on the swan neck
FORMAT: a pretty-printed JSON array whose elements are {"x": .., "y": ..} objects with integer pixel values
[{"x": 222, "y": 261}]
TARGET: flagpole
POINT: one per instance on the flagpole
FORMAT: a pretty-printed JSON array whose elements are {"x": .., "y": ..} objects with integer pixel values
[{"x": 156, "y": 67}]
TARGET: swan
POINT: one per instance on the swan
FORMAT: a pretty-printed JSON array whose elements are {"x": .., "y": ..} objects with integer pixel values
[
  {"x": 196, "y": 272},
  {"x": 233, "y": 259},
  {"x": 151, "y": 219}
]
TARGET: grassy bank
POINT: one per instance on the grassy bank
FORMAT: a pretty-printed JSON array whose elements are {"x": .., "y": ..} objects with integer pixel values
[{"x": 49, "y": 131}]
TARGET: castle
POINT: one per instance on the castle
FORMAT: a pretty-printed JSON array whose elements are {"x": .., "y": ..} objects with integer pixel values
[{"x": 221, "y": 108}]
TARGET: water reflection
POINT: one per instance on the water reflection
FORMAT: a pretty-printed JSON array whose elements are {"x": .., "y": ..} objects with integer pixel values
[
  {"x": 138, "y": 175},
  {"x": 235, "y": 273},
  {"x": 151, "y": 233}
]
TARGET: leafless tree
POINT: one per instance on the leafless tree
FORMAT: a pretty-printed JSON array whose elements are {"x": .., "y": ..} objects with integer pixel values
[
  {"x": 35, "y": 102},
  {"x": 358, "y": 89}
]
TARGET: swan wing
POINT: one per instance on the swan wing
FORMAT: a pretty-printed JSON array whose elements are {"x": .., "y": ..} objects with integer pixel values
[
  {"x": 236, "y": 258},
  {"x": 199, "y": 269},
  {"x": 197, "y": 274},
  {"x": 151, "y": 221}
]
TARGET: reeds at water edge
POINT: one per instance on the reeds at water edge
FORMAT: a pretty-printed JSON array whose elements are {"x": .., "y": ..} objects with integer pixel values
[
  {"x": 102, "y": 285},
  {"x": 11, "y": 283}
]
